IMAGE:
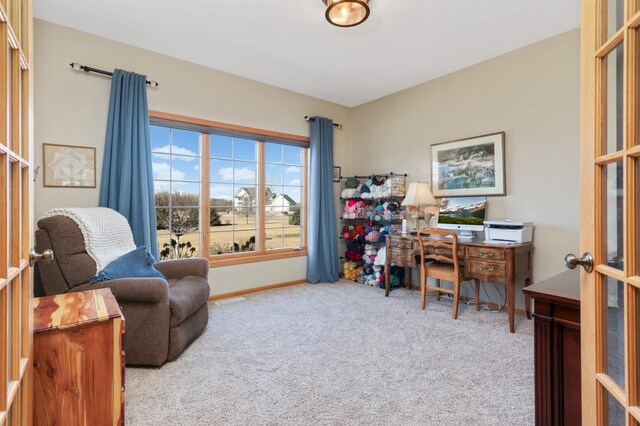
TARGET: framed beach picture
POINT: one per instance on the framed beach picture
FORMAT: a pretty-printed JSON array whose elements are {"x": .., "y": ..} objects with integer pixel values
[
  {"x": 69, "y": 166},
  {"x": 469, "y": 167}
]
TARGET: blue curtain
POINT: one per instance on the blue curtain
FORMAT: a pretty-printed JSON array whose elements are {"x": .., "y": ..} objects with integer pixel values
[
  {"x": 322, "y": 241},
  {"x": 127, "y": 177}
]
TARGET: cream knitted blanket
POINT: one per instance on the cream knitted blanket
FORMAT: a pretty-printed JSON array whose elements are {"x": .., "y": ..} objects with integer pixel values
[{"x": 107, "y": 234}]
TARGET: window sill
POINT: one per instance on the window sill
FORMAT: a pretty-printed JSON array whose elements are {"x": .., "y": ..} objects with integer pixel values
[{"x": 243, "y": 258}]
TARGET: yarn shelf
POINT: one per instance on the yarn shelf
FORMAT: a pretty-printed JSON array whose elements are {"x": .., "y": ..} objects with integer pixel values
[{"x": 371, "y": 210}]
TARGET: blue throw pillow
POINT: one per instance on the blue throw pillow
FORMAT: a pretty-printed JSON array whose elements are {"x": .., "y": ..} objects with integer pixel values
[{"x": 135, "y": 264}]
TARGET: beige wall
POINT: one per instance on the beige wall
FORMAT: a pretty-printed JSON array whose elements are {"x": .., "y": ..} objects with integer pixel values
[
  {"x": 71, "y": 108},
  {"x": 533, "y": 95}
]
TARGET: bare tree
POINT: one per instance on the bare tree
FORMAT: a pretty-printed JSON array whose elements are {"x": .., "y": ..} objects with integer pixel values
[
  {"x": 180, "y": 221},
  {"x": 246, "y": 207}
]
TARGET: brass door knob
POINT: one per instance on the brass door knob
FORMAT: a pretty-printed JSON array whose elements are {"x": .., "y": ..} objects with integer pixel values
[
  {"x": 586, "y": 261},
  {"x": 46, "y": 256}
]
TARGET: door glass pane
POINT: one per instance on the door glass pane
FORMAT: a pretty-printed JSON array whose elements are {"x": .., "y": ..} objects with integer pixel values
[
  {"x": 614, "y": 136},
  {"x": 615, "y": 411},
  {"x": 614, "y": 330},
  {"x": 613, "y": 215},
  {"x": 615, "y": 16}
]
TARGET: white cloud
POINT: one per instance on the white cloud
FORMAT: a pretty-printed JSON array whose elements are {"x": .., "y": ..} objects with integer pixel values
[
  {"x": 243, "y": 174},
  {"x": 294, "y": 182},
  {"x": 167, "y": 149},
  {"x": 292, "y": 169},
  {"x": 164, "y": 171},
  {"x": 221, "y": 191},
  {"x": 226, "y": 174}
]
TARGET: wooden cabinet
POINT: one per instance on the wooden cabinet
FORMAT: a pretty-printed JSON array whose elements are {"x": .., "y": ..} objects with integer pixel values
[
  {"x": 557, "y": 349},
  {"x": 78, "y": 360}
]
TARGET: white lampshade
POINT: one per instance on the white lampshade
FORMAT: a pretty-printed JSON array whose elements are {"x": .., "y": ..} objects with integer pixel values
[{"x": 418, "y": 194}]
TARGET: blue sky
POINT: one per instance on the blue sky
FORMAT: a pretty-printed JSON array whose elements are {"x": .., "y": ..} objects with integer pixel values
[{"x": 176, "y": 157}]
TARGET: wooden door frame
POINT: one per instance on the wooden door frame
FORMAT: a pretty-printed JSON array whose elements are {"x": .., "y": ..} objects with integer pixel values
[
  {"x": 596, "y": 45},
  {"x": 16, "y": 211},
  {"x": 588, "y": 39}
]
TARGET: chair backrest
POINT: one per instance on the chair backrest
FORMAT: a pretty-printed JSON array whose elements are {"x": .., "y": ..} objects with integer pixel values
[
  {"x": 72, "y": 265},
  {"x": 443, "y": 249}
]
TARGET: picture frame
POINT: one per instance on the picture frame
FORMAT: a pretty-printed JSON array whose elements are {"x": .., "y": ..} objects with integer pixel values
[
  {"x": 469, "y": 167},
  {"x": 69, "y": 166},
  {"x": 337, "y": 173}
]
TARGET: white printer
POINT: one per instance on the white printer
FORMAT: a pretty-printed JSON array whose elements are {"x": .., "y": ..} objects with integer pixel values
[{"x": 508, "y": 231}]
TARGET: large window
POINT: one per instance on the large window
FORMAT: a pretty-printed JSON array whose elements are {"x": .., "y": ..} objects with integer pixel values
[{"x": 232, "y": 195}]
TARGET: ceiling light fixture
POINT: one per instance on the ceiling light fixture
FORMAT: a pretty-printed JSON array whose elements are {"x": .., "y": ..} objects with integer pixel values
[{"x": 347, "y": 13}]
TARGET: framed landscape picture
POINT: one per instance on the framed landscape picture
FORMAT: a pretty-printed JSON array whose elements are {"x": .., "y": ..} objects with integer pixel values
[
  {"x": 469, "y": 167},
  {"x": 69, "y": 166}
]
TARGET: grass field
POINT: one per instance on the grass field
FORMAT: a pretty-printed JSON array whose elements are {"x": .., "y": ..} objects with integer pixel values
[
  {"x": 457, "y": 220},
  {"x": 222, "y": 237}
]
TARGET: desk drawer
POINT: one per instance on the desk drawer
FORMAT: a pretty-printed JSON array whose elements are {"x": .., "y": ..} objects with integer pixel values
[
  {"x": 485, "y": 253},
  {"x": 400, "y": 243},
  {"x": 486, "y": 270},
  {"x": 401, "y": 257}
]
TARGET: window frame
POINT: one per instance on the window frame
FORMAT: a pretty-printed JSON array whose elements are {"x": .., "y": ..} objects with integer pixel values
[{"x": 262, "y": 137}]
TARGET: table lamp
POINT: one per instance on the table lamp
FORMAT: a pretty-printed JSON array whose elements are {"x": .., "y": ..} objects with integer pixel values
[{"x": 419, "y": 194}]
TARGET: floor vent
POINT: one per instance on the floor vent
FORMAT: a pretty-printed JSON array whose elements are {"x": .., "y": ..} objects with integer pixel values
[{"x": 229, "y": 300}]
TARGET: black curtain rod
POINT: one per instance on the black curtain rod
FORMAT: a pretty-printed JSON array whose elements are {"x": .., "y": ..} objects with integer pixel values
[
  {"x": 77, "y": 66},
  {"x": 391, "y": 174},
  {"x": 306, "y": 117}
]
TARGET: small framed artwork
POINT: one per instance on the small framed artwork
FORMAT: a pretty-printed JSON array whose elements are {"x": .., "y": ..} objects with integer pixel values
[
  {"x": 68, "y": 166},
  {"x": 469, "y": 167},
  {"x": 337, "y": 173}
]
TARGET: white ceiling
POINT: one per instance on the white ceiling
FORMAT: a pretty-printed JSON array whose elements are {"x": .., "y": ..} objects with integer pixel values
[{"x": 289, "y": 44}]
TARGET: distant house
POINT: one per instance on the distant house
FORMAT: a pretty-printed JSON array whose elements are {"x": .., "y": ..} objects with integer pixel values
[
  {"x": 246, "y": 196},
  {"x": 282, "y": 203}
]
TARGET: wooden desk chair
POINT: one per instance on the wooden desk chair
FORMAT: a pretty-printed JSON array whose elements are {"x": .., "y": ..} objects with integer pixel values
[{"x": 439, "y": 260}]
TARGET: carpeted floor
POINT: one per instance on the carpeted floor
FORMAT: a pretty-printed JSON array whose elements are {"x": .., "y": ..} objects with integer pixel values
[{"x": 342, "y": 354}]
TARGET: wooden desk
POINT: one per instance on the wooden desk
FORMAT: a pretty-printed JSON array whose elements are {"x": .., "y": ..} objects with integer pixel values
[
  {"x": 78, "y": 362},
  {"x": 496, "y": 263},
  {"x": 557, "y": 349}
]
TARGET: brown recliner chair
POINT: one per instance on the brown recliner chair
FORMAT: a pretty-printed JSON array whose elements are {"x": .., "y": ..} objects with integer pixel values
[{"x": 162, "y": 316}]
